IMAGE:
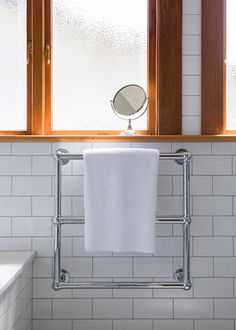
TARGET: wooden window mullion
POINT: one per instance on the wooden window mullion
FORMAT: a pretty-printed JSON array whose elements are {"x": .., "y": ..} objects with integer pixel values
[
  {"x": 38, "y": 69},
  {"x": 213, "y": 67},
  {"x": 169, "y": 89}
]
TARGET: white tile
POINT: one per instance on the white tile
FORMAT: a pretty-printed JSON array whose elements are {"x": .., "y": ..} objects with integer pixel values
[
  {"x": 193, "y": 308},
  {"x": 79, "y": 249},
  {"x": 44, "y": 246},
  {"x": 31, "y": 186},
  {"x": 191, "y": 105},
  {"x": 201, "y": 266},
  {"x": 191, "y": 85},
  {"x": 32, "y": 148},
  {"x": 195, "y": 148},
  {"x": 52, "y": 324},
  {"x": 225, "y": 267},
  {"x": 191, "y": 65},
  {"x": 200, "y": 226},
  {"x": 200, "y": 185},
  {"x": 224, "y": 185},
  {"x": 15, "y": 165},
  {"x": 163, "y": 229},
  {"x": 5, "y": 186},
  {"x": 191, "y": 7},
  {"x": 111, "y": 145},
  {"x": 213, "y": 246},
  {"x": 72, "y": 185},
  {"x": 78, "y": 206},
  {"x": 15, "y": 206},
  {"x": 5, "y": 226},
  {"x": 72, "y": 147},
  {"x": 43, "y": 206},
  {"x": 42, "y": 165},
  {"x": 73, "y": 230},
  {"x": 92, "y": 325},
  {"x": 169, "y": 205},
  {"x": 164, "y": 185},
  {"x": 12, "y": 243},
  {"x": 225, "y": 308},
  {"x": 42, "y": 267},
  {"x": 212, "y": 205},
  {"x": 42, "y": 309},
  {"x": 191, "y": 45},
  {"x": 223, "y": 148},
  {"x": 92, "y": 293},
  {"x": 214, "y": 324},
  {"x": 77, "y": 168},
  {"x": 132, "y": 325},
  {"x": 152, "y": 308},
  {"x": 42, "y": 288},
  {"x": 31, "y": 226},
  {"x": 168, "y": 167},
  {"x": 191, "y": 125},
  {"x": 152, "y": 267},
  {"x": 6, "y": 321},
  {"x": 132, "y": 293},
  {"x": 162, "y": 146},
  {"x": 213, "y": 287},
  {"x": 112, "y": 308},
  {"x": 224, "y": 226},
  {"x": 72, "y": 308},
  {"x": 111, "y": 267},
  {"x": 212, "y": 165},
  {"x": 5, "y": 148},
  {"x": 169, "y": 246},
  {"x": 172, "y": 293},
  {"x": 173, "y": 325},
  {"x": 78, "y": 267},
  {"x": 191, "y": 24}
]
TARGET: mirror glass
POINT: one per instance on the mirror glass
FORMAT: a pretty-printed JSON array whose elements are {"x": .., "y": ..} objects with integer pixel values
[{"x": 129, "y": 100}]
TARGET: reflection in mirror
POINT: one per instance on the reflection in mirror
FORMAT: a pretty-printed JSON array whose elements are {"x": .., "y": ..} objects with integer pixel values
[{"x": 130, "y": 102}]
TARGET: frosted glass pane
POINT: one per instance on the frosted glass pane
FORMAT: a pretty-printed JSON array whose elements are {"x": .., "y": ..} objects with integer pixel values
[
  {"x": 13, "y": 64},
  {"x": 98, "y": 47},
  {"x": 231, "y": 65}
]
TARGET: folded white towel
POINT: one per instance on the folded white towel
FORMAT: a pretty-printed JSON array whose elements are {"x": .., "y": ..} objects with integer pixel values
[{"x": 120, "y": 199}]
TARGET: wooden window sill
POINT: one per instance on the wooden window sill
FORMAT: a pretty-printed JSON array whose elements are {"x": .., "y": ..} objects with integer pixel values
[{"x": 116, "y": 138}]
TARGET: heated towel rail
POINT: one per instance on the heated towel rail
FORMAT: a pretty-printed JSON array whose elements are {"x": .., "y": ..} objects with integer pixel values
[{"x": 61, "y": 278}]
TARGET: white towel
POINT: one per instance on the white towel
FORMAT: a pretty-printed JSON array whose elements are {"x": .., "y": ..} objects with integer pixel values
[{"x": 120, "y": 199}]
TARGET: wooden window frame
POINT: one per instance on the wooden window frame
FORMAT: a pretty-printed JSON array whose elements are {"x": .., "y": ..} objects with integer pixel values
[
  {"x": 164, "y": 69},
  {"x": 213, "y": 67}
]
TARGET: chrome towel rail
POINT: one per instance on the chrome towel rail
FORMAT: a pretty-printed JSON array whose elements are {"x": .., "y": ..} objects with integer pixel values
[{"x": 61, "y": 278}]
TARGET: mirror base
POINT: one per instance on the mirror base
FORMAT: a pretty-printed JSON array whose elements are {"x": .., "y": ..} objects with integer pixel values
[{"x": 129, "y": 132}]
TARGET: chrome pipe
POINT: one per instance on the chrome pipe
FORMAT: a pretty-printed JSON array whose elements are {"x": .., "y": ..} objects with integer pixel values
[
  {"x": 164, "y": 156},
  {"x": 186, "y": 227},
  {"x": 57, "y": 227},
  {"x": 81, "y": 220},
  {"x": 120, "y": 285}
]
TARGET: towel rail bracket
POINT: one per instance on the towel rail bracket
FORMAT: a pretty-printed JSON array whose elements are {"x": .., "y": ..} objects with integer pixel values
[{"x": 61, "y": 277}]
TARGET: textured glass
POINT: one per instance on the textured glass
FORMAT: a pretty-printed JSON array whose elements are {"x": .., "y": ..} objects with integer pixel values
[
  {"x": 13, "y": 64},
  {"x": 231, "y": 65},
  {"x": 98, "y": 47}
]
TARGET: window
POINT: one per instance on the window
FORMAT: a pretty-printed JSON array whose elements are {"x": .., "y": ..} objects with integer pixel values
[
  {"x": 13, "y": 65},
  {"x": 218, "y": 67},
  {"x": 70, "y": 57}
]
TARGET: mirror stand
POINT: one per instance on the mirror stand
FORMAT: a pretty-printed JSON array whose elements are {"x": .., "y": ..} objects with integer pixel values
[{"x": 129, "y": 130}]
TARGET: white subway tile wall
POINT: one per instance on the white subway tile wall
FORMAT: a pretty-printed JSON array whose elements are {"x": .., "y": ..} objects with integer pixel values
[{"x": 27, "y": 207}]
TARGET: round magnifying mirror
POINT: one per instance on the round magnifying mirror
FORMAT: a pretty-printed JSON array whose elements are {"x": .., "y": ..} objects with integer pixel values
[{"x": 130, "y": 102}]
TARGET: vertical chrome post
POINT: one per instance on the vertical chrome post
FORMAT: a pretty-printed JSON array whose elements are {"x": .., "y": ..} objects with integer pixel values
[
  {"x": 57, "y": 226},
  {"x": 186, "y": 228}
]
